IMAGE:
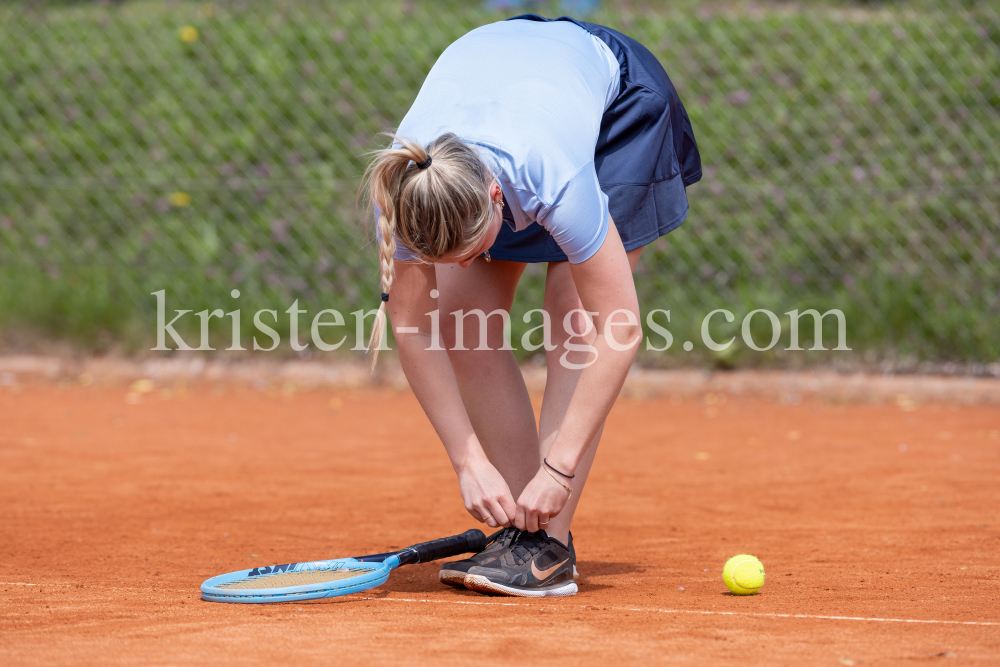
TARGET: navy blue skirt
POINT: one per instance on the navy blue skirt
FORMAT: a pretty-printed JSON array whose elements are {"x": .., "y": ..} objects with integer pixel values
[{"x": 645, "y": 156}]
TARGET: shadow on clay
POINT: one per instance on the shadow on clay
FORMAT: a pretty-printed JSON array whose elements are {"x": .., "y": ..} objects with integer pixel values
[{"x": 423, "y": 578}]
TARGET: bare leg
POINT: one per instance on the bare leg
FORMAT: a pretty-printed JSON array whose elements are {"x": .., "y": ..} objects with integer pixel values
[
  {"x": 561, "y": 297},
  {"x": 490, "y": 381}
]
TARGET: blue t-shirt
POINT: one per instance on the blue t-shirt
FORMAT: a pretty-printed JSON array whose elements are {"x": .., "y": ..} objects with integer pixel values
[{"x": 530, "y": 96}]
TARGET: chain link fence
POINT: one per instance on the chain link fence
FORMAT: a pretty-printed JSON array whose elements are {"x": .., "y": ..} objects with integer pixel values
[{"x": 851, "y": 154}]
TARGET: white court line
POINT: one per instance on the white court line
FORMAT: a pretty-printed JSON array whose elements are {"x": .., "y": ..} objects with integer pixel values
[
  {"x": 710, "y": 613},
  {"x": 22, "y": 583}
]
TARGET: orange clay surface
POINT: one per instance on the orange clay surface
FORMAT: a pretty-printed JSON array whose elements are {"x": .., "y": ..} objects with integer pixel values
[{"x": 115, "y": 510}]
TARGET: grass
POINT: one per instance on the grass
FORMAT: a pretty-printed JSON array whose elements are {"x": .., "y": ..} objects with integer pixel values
[{"x": 850, "y": 155}]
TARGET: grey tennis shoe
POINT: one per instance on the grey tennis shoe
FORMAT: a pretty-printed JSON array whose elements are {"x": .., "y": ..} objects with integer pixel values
[
  {"x": 453, "y": 573},
  {"x": 517, "y": 563}
]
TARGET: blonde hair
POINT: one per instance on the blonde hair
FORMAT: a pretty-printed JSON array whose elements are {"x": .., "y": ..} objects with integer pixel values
[{"x": 435, "y": 211}]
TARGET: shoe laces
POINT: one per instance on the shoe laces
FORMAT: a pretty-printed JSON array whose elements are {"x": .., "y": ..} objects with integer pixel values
[
  {"x": 527, "y": 546},
  {"x": 503, "y": 538}
]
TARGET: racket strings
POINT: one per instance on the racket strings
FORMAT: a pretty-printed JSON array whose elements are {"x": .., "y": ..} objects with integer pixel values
[{"x": 300, "y": 578}]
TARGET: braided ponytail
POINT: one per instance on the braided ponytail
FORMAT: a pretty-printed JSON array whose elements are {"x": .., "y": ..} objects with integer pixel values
[
  {"x": 434, "y": 200},
  {"x": 386, "y": 249}
]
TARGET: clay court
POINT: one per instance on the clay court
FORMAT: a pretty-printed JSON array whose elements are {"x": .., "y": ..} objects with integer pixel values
[{"x": 877, "y": 525}]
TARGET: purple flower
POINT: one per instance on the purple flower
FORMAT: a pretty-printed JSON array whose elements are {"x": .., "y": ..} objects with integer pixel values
[
  {"x": 279, "y": 230},
  {"x": 738, "y": 97},
  {"x": 504, "y": 5}
]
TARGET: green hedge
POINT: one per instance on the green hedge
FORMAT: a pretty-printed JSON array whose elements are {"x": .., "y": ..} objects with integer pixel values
[{"x": 849, "y": 149}]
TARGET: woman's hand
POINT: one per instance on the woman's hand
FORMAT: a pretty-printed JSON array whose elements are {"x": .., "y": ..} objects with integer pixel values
[
  {"x": 487, "y": 496},
  {"x": 541, "y": 500}
]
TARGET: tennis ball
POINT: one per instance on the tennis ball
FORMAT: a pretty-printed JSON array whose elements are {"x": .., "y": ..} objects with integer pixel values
[{"x": 743, "y": 574}]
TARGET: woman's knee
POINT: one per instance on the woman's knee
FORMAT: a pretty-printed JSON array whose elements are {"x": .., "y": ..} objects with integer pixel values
[{"x": 465, "y": 329}]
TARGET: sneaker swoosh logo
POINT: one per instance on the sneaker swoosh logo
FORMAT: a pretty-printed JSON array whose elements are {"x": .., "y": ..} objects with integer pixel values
[{"x": 542, "y": 574}]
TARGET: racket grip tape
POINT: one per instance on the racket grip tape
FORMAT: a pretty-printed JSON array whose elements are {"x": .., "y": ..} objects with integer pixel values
[{"x": 470, "y": 541}]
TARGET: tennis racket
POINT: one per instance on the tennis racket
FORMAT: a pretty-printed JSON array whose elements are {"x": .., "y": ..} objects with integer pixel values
[{"x": 331, "y": 578}]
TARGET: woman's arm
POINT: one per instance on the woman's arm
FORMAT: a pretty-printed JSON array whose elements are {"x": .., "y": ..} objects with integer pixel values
[
  {"x": 432, "y": 379},
  {"x": 606, "y": 287}
]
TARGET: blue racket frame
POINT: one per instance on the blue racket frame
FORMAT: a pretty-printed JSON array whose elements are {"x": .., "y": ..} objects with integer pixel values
[
  {"x": 372, "y": 571},
  {"x": 211, "y": 590}
]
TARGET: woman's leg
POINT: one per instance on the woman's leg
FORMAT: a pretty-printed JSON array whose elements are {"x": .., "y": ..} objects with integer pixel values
[
  {"x": 561, "y": 298},
  {"x": 490, "y": 380}
]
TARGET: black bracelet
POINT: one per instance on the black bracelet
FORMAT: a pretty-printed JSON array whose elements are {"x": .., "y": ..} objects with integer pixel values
[{"x": 557, "y": 471}]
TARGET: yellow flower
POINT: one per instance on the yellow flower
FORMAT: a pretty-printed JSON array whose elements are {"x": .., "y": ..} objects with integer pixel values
[
  {"x": 188, "y": 34},
  {"x": 180, "y": 199}
]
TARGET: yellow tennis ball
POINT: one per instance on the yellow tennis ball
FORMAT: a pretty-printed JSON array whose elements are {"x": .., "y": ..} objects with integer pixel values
[{"x": 743, "y": 574}]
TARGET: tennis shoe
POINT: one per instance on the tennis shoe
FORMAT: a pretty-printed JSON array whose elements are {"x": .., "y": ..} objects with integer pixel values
[
  {"x": 517, "y": 563},
  {"x": 453, "y": 573}
]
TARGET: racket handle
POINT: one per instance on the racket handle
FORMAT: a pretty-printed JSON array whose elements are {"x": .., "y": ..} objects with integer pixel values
[{"x": 469, "y": 541}]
